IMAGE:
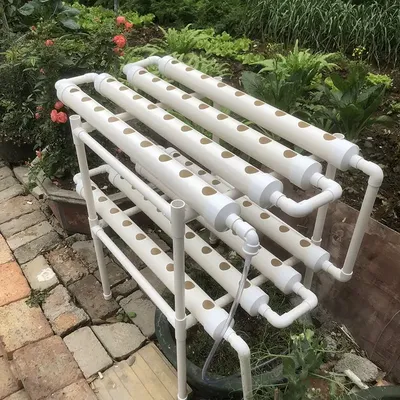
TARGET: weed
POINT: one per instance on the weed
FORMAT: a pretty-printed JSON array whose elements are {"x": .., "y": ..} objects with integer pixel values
[
  {"x": 37, "y": 297},
  {"x": 122, "y": 316},
  {"x": 301, "y": 365}
]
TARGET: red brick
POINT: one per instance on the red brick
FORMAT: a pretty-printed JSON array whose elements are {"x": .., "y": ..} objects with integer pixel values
[
  {"x": 21, "y": 325},
  {"x": 46, "y": 367},
  {"x": 13, "y": 285},
  {"x": 5, "y": 252}
]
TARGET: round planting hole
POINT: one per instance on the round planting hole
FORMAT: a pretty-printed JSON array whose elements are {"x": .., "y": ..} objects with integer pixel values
[
  {"x": 275, "y": 262},
  {"x": 189, "y": 285},
  {"x": 208, "y": 305}
]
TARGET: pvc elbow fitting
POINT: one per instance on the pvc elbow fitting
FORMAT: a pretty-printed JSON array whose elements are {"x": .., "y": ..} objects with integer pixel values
[
  {"x": 307, "y": 295},
  {"x": 276, "y": 320},
  {"x": 373, "y": 170},
  {"x": 336, "y": 272},
  {"x": 296, "y": 210},
  {"x": 142, "y": 63},
  {"x": 237, "y": 343}
]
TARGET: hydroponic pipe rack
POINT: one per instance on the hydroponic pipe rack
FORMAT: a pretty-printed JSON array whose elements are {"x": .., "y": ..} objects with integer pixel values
[{"x": 199, "y": 179}]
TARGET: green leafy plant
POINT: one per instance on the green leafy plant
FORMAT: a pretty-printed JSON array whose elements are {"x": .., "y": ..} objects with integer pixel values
[
  {"x": 301, "y": 364},
  {"x": 95, "y": 19},
  {"x": 37, "y": 297},
  {"x": 47, "y": 9},
  {"x": 184, "y": 40},
  {"x": 176, "y": 41},
  {"x": 298, "y": 60},
  {"x": 223, "y": 45},
  {"x": 378, "y": 79},
  {"x": 208, "y": 65},
  {"x": 351, "y": 104},
  {"x": 329, "y": 25},
  {"x": 278, "y": 89},
  {"x": 222, "y": 15}
]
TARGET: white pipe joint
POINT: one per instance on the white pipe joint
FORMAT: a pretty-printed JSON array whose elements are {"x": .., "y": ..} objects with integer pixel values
[
  {"x": 306, "y": 294},
  {"x": 327, "y": 185},
  {"x": 243, "y": 351},
  {"x": 373, "y": 170},
  {"x": 130, "y": 68},
  {"x": 246, "y": 232},
  {"x": 336, "y": 272},
  {"x": 303, "y": 208},
  {"x": 309, "y": 302}
]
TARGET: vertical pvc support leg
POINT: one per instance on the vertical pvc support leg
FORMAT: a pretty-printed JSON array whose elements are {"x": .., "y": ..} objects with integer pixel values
[
  {"x": 178, "y": 245},
  {"x": 212, "y": 238},
  {"x": 243, "y": 351},
  {"x": 319, "y": 227},
  {"x": 75, "y": 121}
]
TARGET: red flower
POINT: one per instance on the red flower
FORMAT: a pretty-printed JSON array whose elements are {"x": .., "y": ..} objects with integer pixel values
[
  {"x": 62, "y": 118},
  {"x": 39, "y": 108},
  {"x": 33, "y": 27},
  {"x": 118, "y": 51},
  {"x": 48, "y": 43},
  {"x": 38, "y": 154},
  {"x": 128, "y": 26},
  {"x": 41, "y": 70},
  {"x": 120, "y": 20},
  {"x": 59, "y": 105},
  {"x": 119, "y": 40},
  {"x": 37, "y": 116},
  {"x": 53, "y": 115}
]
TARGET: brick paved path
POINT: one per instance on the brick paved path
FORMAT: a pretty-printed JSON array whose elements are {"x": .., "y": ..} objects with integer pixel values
[{"x": 56, "y": 349}]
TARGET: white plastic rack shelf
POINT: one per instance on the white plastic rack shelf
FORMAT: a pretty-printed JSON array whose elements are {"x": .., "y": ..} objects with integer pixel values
[{"x": 225, "y": 193}]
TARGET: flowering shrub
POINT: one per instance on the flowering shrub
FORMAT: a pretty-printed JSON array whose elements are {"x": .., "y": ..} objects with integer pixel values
[
  {"x": 29, "y": 110},
  {"x": 119, "y": 40}
]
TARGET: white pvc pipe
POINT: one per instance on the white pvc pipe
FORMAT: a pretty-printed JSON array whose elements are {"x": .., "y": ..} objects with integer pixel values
[
  {"x": 197, "y": 301},
  {"x": 124, "y": 171},
  {"x": 319, "y": 226},
  {"x": 253, "y": 300},
  {"x": 198, "y": 195},
  {"x": 243, "y": 351},
  {"x": 375, "y": 174},
  {"x": 297, "y": 168},
  {"x": 302, "y": 134},
  {"x": 258, "y": 185},
  {"x": 301, "y": 170},
  {"x": 75, "y": 121},
  {"x": 309, "y": 302},
  {"x": 282, "y": 276},
  {"x": 129, "y": 212},
  {"x": 223, "y": 272},
  {"x": 178, "y": 238},
  {"x": 283, "y": 234},
  {"x": 144, "y": 284},
  {"x": 221, "y": 185}
]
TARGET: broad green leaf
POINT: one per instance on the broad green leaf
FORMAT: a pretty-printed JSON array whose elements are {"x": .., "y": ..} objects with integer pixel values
[
  {"x": 70, "y": 24},
  {"x": 27, "y": 9}
]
